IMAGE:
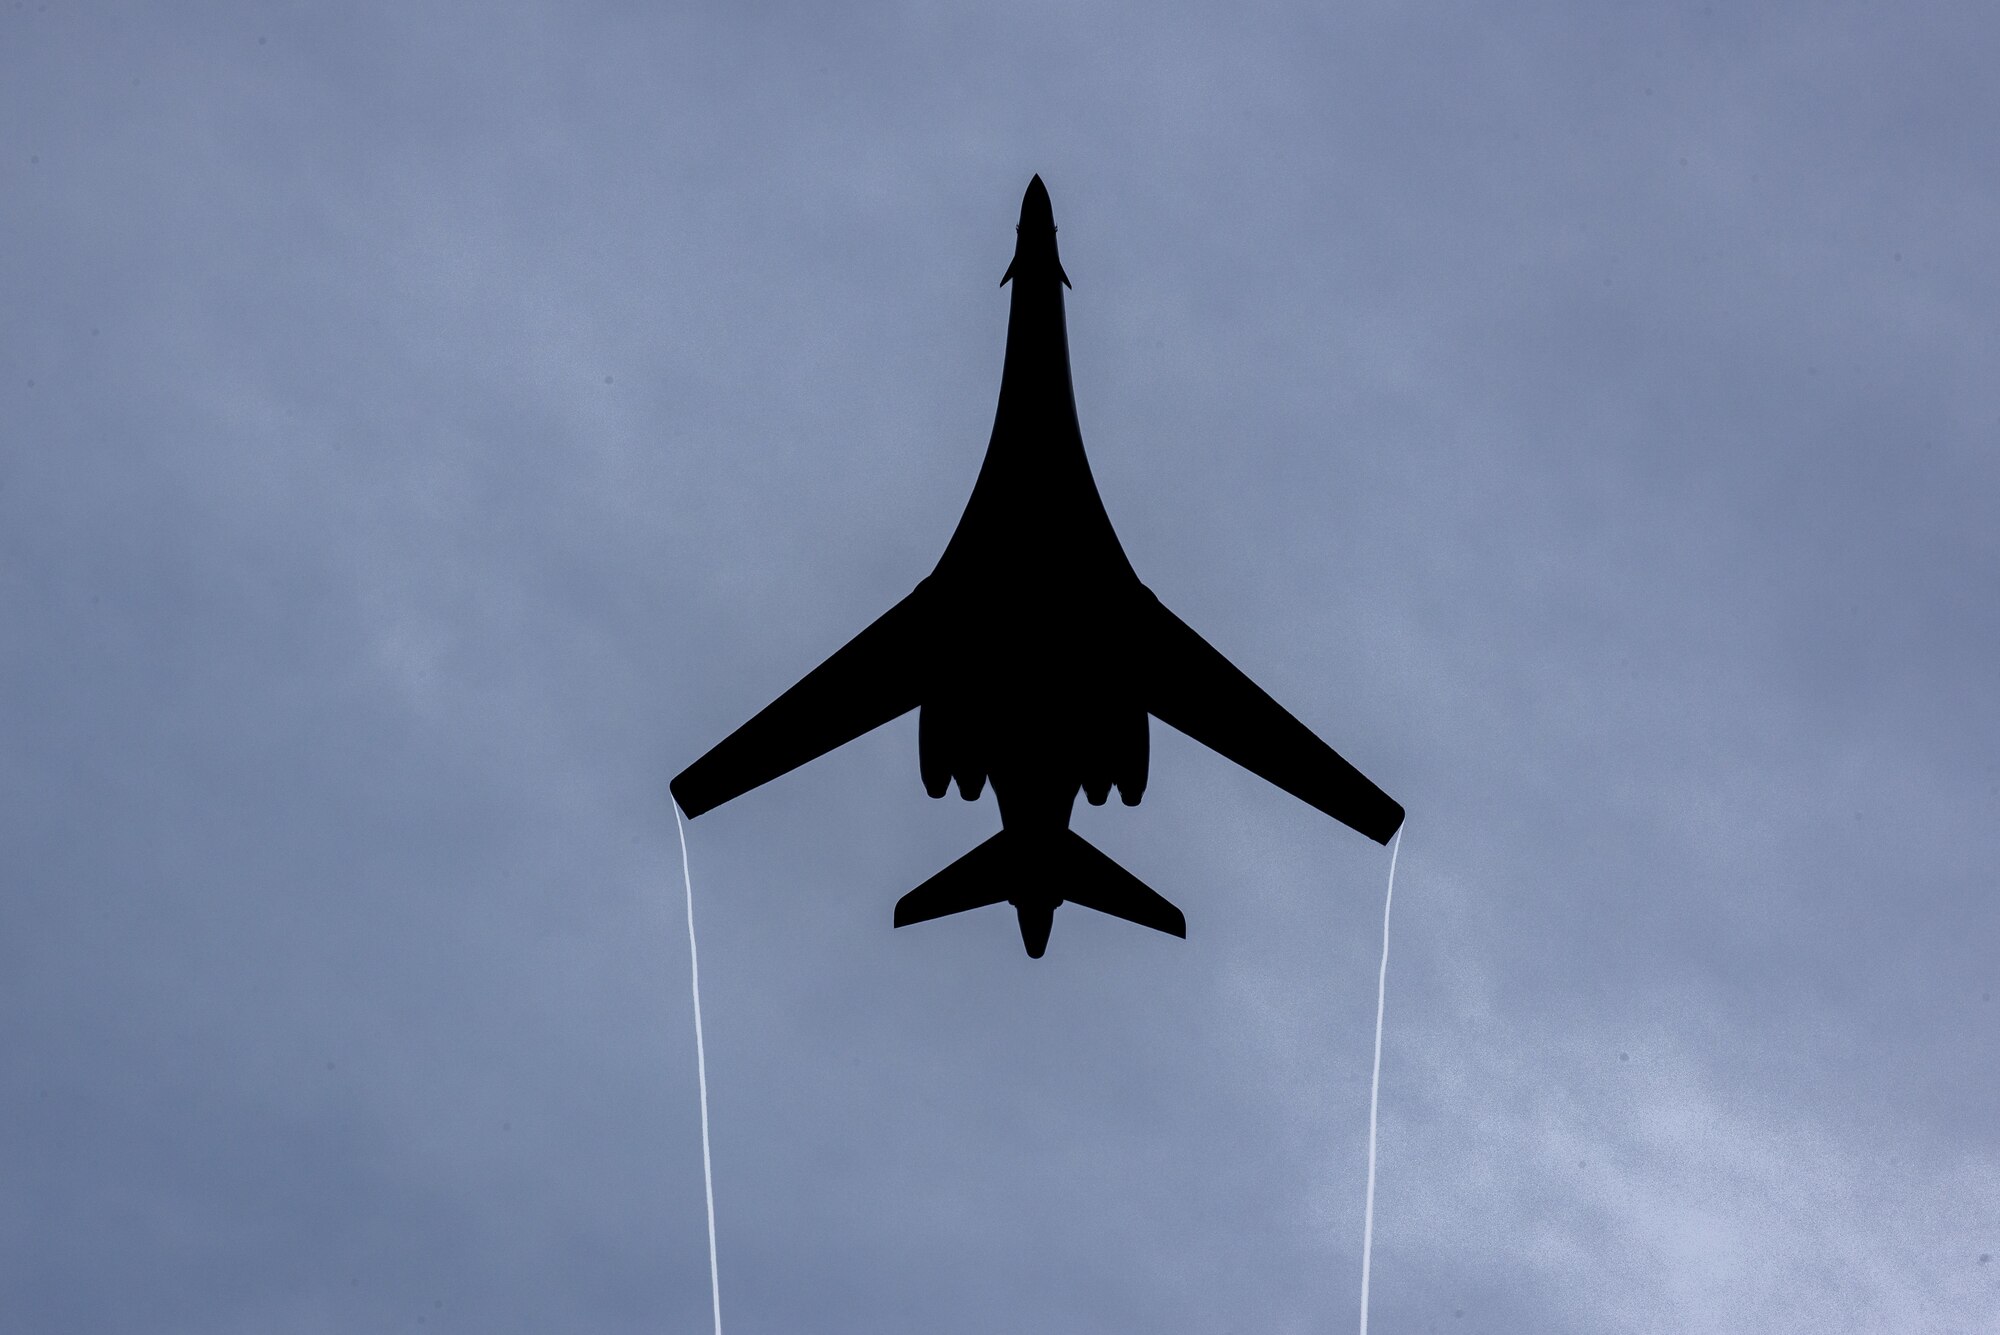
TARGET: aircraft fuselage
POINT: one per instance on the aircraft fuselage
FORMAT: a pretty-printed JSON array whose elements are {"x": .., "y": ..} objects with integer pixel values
[{"x": 1037, "y": 696}]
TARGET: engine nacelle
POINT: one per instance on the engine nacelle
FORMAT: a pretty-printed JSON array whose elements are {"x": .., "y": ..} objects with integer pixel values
[
  {"x": 1133, "y": 749},
  {"x": 947, "y": 750},
  {"x": 934, "y": 745}
]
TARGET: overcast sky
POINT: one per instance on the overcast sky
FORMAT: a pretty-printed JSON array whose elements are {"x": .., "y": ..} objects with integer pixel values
[{"x": 424, "y": 429}]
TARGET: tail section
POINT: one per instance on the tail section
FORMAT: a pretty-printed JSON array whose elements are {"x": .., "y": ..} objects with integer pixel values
[
  {"x": 1096, "y": 882},
  {"x": 983, "y": 876},
  {"x": 1036, "y": 874}
]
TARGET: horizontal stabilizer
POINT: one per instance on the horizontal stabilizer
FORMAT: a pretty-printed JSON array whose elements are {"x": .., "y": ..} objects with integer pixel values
[
  {"x": 974, "y": 881},
  {"x": 1096, "y": 882},
  {"x": 1038, "y": 873}
]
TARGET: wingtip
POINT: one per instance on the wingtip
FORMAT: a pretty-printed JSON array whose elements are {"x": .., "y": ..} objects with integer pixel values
[{"x": 679, "y": 791}]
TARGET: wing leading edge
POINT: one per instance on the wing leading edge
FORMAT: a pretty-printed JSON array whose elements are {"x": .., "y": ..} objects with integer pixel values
[
  {"x": 873, "y": 678},
  {"x": 1191, "y": 687}
]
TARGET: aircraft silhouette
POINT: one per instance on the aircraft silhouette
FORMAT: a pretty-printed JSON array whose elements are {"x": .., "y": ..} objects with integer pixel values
[{"x": 1035, "y": 656}]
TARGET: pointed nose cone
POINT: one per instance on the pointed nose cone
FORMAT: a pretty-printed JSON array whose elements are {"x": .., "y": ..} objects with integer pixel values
[
  {"x": 1036, "y": 212},
  {"x": 1035, "y": 239}
]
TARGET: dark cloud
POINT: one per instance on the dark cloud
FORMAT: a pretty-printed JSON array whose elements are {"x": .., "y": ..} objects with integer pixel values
[{"x": 426, "y": 435}]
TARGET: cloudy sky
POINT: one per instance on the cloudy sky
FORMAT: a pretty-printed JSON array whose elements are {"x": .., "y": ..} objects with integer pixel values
[{"x": 424, "y": 429}]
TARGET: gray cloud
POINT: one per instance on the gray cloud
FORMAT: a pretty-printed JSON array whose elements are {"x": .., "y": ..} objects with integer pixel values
[{"x": 425, "y": 435}]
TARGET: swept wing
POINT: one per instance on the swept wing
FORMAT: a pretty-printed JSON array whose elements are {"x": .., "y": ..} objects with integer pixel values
[
  {"x": 873, "y": 678},
  {"x": 1186, "y": 683}
]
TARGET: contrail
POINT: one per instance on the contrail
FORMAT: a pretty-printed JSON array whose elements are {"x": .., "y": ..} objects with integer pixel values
[
  {"x": 701, "y": 1075},
  {"x": 1374, "y": 1083}
]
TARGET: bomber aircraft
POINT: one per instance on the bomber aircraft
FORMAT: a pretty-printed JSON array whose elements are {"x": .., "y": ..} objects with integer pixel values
[{"x": 1035, "y": 657}]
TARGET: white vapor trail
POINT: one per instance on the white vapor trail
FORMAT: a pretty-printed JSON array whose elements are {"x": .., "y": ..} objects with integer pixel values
[
  {"x": 1374, "y": 1086},
  {"x": 701, "y": 1075}
]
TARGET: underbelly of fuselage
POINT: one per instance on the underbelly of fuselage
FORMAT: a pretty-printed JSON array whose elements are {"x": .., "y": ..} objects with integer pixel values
[{"x": 1043, "y": 705}]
